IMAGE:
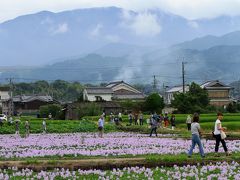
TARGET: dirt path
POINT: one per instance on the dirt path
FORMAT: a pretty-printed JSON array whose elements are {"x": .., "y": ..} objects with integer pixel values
[
  {"x": 105, "y": 164},
  {"x": 75, "y": 164}
]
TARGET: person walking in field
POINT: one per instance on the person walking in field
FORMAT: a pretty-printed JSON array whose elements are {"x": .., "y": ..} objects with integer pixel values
[
  {"x": 27, "y": 128},
  {"x": 219, "y": 133},
  {"x": 154, "y": 125},
  {"x": 130, "y": 117},
  {"x": 189, "y": 122},
  {"x": 173, "y": 121},
  {"x": 17, "y": 121},
  {"x": 100, "y": 126},
  {"x": 136, "y": 118},
  {"x": 44, "y": 126},
  {"x": 196, "y": 133},
  {"x": 161, "y": 119},
  {"x": 10, "y": 120},
  {"x": 111, "y": 117},
  {"x": 50, "y": 116},
  {"x": 166, "y": 120},
  {"x": 141, "y": 118},
  {"x": 120, "y": 116}
]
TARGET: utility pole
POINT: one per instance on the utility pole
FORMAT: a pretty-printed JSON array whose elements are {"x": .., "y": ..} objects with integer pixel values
[
  {"x": 183, "y": 76},
  {"x": 154, "y": 83},
  {"x": 11, "y": 105}
]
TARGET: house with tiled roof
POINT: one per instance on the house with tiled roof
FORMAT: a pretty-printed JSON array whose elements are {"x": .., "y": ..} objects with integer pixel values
[
  {"x": 118, "y": 91},
  {"x": 218, "y": 93},
  {"x": 97, "y": 94},
  {"x": 26, "y": 103}
]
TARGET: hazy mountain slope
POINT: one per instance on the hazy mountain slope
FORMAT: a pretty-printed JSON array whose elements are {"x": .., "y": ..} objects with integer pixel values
[
  {"x": 37, "y": 39},
  {"x": 219, "y": 62},
  {"x": 206, "y": 42}
]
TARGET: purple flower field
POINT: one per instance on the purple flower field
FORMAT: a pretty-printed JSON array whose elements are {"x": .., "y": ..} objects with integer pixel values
[
  {"x": 113, "y": 144},
  {"x": 221, "y": 171}
]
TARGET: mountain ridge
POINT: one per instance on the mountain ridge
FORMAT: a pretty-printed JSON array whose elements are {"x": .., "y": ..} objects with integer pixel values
[{"x": 37, "y": 39}]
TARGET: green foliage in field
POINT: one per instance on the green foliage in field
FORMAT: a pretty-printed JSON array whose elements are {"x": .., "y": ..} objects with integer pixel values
[
  {"x": 56, "y": 126},
  {"x": 54, "y": 109},
  {"x": 195, "y": 100},
  {"x": 89, "y": 109},
  {"x": 89, "y": 124},
  {"x": 154, "y": 103}
]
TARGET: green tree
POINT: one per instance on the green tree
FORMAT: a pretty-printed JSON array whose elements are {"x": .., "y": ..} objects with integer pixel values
[
  {"x": 61, "y": 90},
  {"x": 54, "y": 109},
  {"x": 181, "y": 102},
  {"x": 89, "y": 109},
  {"x": 195, "y": 100},
  {"x": 232, "y": 108},
  {"x": 154, "y": 102}
]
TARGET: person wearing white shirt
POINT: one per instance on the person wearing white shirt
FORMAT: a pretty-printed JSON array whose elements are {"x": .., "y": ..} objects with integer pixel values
[
  {"x": 217, "y": 134},
  {"x": 120, "y": 116},
  {"x": 101, "y": 126},
  {"x": 189, "y": 122},
  {"x": 44, "y": 126}
]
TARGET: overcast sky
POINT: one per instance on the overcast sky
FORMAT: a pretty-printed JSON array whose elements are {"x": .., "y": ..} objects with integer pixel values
[{"x": 191, "y": 9}]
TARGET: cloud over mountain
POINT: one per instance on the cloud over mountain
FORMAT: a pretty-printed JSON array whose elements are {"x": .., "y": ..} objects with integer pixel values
[{"x": 146, "y": 23}]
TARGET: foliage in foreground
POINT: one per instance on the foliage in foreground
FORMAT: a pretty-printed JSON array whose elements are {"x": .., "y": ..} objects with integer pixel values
[{"x": 210, "y": 171}]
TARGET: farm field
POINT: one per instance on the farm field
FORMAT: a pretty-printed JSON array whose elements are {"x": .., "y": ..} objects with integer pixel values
[
  {"x": 89, "y": 124},
  {"x": 85, "y": 144},
  {"x": 71, "y": 149}
]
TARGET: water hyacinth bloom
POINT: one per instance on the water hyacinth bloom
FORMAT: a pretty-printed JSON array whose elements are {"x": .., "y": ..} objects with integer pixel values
[
  {"x": 222, "y": 171},
  {"x": 113, "y": 144}
]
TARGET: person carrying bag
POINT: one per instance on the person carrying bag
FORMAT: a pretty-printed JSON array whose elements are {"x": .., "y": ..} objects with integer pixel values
[{"x": 220, "y": 134}]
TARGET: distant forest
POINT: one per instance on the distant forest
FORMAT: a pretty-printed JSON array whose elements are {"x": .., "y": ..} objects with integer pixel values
[{"x": 61, "y": 90}]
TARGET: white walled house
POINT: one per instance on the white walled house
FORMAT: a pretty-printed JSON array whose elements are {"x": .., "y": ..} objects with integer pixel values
[
  {"x": 4, "y": 94},
  {"x": 113, "y": 91},
  {"x": 123, "y": 91},
  {"x": 170, "y": 93},
  {"x": 97, "y": 94}
]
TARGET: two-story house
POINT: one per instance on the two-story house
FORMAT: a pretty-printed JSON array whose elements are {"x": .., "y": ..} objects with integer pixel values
[{"x": 218, "y": 93}]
